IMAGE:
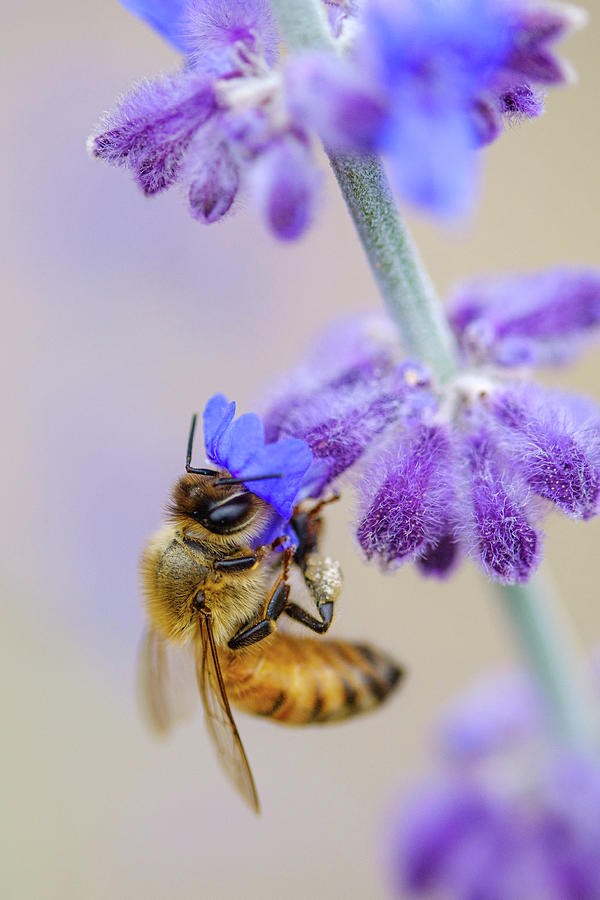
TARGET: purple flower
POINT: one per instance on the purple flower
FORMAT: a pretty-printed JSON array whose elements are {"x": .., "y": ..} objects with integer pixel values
[
  {"x": 405, "y": 510},
  {"x": 509, "y": 814},
  {"x": 522, "y": 320},
  {"x": 553, "y": 440},
  {"x": 238, "y": 445},
  {"x": 220, "y": 123},
  {"x": 426, "y": 84},
  {"x": 463, "y": 468}
]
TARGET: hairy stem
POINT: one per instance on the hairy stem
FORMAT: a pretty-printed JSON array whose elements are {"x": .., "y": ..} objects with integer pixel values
[
  {"x": 547, "y": 641},
  {"x": 406, "y": 289},
  {"x": 539, "y": 620}
]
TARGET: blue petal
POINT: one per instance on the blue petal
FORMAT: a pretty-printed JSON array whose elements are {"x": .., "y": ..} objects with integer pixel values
[
  {"x": 163, "y": 15},
  {"x": 218, "y": 415},
  {"x": 290, "y": 458},
  {"x": 239, "y": 446},
  {"x": 240, "y": 442}
]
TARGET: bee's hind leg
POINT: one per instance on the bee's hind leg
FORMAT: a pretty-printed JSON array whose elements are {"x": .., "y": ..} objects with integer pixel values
[{"x": 276, "y": 603}]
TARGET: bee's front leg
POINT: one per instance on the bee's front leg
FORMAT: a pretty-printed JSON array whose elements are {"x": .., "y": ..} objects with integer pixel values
[
  {"x": 276, "y": 603},
  {"x": 249, "y": 561}
]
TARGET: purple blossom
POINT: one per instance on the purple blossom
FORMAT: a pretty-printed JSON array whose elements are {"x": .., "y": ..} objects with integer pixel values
[
  {"x": 463, "y": 468},
  {"x": 522, "y": 320},
  {"x": 222, "y": 37},
  {"x": 220, "y": 123},
  {"x": 405, "y": 510},
  {"x": 429, "y": 83},
  {"x": 426, "y": 84},
  {"x": 508, "y": 814},
  {"x": 151, "y": 129},
  {"x": 504, "y": 536},
  {"x": 238, "y": 445},
  {"x": 284, "y": 183},
  {"x": 553, "y": 440}
]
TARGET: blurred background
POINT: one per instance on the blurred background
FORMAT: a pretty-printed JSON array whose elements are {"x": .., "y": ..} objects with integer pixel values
[{"x": 122, "y": 316}]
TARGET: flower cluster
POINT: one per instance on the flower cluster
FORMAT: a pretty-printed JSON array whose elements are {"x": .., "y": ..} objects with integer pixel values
[
  {"x": 510, "y": 815},
  {"x": 464, "y": 467},
  {"x": 425, "y": 83}
]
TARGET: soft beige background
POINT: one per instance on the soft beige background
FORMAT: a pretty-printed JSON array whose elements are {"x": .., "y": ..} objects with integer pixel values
[{"x": 121, "y": 316}]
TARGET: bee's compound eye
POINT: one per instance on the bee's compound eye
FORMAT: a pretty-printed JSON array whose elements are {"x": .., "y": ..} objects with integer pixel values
[{"x": 229, "y": 516}]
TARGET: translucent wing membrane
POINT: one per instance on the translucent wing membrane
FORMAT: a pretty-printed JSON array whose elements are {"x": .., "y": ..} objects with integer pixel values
[
  {"x": 166, "y": 689},
  {"x": 219, "y": 719}
]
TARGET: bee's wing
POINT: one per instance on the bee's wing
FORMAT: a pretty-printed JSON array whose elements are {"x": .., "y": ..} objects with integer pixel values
[
  {"x": 166, "y": 690},
  {"x": 219, "y": 720}
]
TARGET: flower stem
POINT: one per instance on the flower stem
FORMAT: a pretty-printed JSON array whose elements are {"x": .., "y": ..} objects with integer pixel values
[
  {"x": 540, "y": 622},
  {"x": 406, "y": 288},
  {"x": 545, "y": 634}
]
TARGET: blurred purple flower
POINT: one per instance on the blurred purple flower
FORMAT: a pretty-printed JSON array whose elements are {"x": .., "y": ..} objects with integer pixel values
[
  {"x": 464, "y": 467},
  {"x": 220, "y": 122},
  {"x": 426, "y": 84},
  {"x": 508, "y": 815},
  {"x": 535, "y": 320},
  {"x": 238, "y": 445}
]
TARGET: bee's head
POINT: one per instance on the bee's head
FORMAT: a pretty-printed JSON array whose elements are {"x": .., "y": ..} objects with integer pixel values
[
  {"x": 223, "y": 509},
  {"x": 217, "y": 502}
]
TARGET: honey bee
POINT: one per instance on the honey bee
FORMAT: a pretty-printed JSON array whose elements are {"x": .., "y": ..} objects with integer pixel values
[{"x": 209, "y": 588}]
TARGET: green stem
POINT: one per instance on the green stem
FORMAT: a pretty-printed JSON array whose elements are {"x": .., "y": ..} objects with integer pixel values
[
  {"x": 548, "y": 643},
  {"x": 407, "y": 291},
  {"x": 540, "y": 623}
]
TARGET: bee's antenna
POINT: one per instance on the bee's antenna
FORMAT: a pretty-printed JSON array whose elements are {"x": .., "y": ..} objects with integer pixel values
[
  {"x": 188, "y": 456},
  {"x": 243, "y": 480}
]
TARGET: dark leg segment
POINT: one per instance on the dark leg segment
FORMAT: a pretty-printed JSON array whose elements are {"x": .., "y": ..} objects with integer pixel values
[
  {"x": 300, "y": 615},
  {"x": 277, "y": 601},
  {"x": 254, "y": 633},
  {"x": 236, "y": 563}
]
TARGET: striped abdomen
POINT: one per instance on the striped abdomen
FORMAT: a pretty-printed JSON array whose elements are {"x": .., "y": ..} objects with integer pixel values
[{"x": 299, "y": 681}]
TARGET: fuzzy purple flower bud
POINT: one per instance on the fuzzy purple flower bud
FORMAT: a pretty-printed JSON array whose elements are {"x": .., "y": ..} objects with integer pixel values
[
  {"x": 440, "y": 558},
  {"x": 213, "y": 183},
  {"x": 521, "y": 101},
  {"x": 554, "y": 441},
  {"x": 531, "y": 57},
  {"x": 220, "y": 34},
  {"x": 505, "y": 541},
  {"x": 516, "y": 320},
  {"x": 152, "y": 127},
  {"x": 405, "y": 497},
  {"x": 284, "y": 184}
]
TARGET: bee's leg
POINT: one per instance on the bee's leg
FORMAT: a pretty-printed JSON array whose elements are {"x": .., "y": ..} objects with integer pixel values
[
  {"x": 324, "y": 581},
  {"x": 319, "y": 625},
  {"x": 243, "y": 563},
  {"x": 308, "y": 526},
  {"x": 276, "y": 603},
  {"x": 235, "y": 563}
]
